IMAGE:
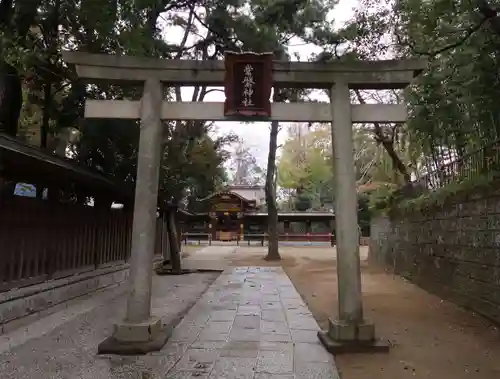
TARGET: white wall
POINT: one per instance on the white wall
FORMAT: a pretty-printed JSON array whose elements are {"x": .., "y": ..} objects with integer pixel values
[{"x": 251, "y": 194}]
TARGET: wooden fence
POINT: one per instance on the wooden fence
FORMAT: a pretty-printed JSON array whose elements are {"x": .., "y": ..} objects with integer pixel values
[{"x": 40, "y": 240}]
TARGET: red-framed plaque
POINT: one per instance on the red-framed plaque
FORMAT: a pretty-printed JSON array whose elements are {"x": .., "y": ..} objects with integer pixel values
[{"x": 248, "y": 82}]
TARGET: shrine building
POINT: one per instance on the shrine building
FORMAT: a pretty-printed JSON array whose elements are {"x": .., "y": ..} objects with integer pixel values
[{"x": 236, "y": 213}]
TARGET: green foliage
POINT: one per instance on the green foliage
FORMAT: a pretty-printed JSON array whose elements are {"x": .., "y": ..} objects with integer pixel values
[
  {"x": 393, "y": 202},
  {"x": 454, "y": 192},
  {"x": 306, "y": 163},
  {"x": 364, "y": 214},
  {"x": 32, "y": 40},
  {"x": 303, "y": 202},
  {"x": 380, "y": 198},
  {"x": 454, "y": 103}
]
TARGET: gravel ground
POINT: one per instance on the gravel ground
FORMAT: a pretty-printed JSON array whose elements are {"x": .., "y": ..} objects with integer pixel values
[{"x": 64, "y": 345}]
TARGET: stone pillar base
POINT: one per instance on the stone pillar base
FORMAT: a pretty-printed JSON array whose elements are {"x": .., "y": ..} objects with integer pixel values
[
  {"x": 347, "y": 338},
  {"x": 135, "y": 338}
]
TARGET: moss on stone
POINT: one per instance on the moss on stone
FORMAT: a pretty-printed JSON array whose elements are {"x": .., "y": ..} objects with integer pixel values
[{"x": 394, "y": 204}]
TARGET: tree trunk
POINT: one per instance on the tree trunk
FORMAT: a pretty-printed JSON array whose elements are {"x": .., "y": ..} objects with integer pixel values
[
  {"x": 396, "y": 161},
  {"x": 44, "y": 128},
  {"x": 11, "y": 99},
  {"x": 165, "y": 240},
  {"x": 52, "y": 38},
  {"x": 175, "y": 254},
  {"x": 272, "y": 211}
]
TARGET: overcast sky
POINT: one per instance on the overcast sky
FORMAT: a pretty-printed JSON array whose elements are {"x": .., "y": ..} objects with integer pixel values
[{"x": 256, "y": 135}]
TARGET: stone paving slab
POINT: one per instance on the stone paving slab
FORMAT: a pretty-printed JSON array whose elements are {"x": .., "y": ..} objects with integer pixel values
[{"x": 253, "y": 324}]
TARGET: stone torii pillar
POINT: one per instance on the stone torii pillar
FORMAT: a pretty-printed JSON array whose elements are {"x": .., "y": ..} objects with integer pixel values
[
  {"x": 140, "y": 332},
  {"x": 350, "y": 332}
]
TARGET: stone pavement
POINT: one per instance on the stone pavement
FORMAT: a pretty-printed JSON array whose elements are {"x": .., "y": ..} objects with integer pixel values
[{"x": 250, "y": 323}]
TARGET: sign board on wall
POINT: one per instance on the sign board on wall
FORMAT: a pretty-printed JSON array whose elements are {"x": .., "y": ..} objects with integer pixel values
[
  {"x": 226, "y": 207},
  {"x": 248, "y": 83}
]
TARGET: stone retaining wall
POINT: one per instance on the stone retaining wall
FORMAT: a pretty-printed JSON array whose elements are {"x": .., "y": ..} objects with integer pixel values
[
  {"x": 453, "y": 251},
  {"x": 20, "y": 306}
]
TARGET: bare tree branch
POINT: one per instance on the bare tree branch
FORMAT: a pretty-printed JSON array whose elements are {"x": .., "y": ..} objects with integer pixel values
[
  {"x": 178, "y": 95},
  {"x": 387, "y": 143}
]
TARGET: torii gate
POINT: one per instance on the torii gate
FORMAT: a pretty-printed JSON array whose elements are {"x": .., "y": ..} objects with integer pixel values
[{"x": 139, "y": 330}]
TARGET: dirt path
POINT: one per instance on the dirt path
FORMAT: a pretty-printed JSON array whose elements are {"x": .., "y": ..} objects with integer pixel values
[{"x": 431, "y": 338}]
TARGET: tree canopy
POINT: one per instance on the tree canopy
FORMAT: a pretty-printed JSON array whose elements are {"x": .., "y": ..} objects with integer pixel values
[
  {"x": 305, "y": 166},
  {"x": 452, "y": 104}
]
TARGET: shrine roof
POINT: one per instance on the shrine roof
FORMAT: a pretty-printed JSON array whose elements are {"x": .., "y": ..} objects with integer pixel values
[
  {"x": 244, "y": 186},
  {"x": 227, "y": 193},
  {"x": 30, "y": 164},
  {"x": 281, "y": 215},
  {"x": 293, "y": 214}
]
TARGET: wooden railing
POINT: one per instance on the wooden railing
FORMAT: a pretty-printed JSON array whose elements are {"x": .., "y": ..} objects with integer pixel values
[
  {"x": 309, "y": 237},
  {"x": 195, "y": 236},
  {"x": 40, "y": 240},
  {"x": 261, "y": 238}
]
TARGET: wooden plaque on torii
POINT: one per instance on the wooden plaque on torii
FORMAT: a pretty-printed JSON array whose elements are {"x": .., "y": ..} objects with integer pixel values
[{"x": 247, "y": 84}]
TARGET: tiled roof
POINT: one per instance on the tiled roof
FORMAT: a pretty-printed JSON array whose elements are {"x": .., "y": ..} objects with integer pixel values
[{"x": 228, "y": 193}]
